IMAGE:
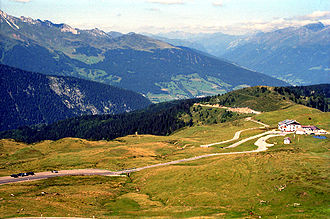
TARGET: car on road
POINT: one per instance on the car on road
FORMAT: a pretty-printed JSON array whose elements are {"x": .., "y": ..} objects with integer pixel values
[{"x": 22, "y": 174}]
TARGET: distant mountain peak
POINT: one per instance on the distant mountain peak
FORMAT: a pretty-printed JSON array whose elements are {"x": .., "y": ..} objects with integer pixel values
[
  {"x": 63, "y": 27},
  {"x": 5, "y": 18},
  {"x": 97, "y": 32},
  {"x": 28, "y": 20},
  {"x": 315, "y": 26},
  {"x": 67, "y": 28},
  {"x": 141, "y": 42},
  {"x": 47, "y": 23},
  {"x": 3, "y": 14},
  {"x": 114, "y": 34}
]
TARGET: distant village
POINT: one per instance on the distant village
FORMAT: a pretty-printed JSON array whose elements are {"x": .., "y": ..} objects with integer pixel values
[{"x": 289, "y": 125}]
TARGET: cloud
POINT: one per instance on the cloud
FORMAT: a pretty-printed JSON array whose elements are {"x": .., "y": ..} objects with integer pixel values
[
  {"x": 253, "y": 26},
  {"x": 315, "y": 16},
  {"x": 153, "y": 9},
  {"x": 319, "y": 15},
  {"x": 218, "y": 3},
  {"x": 279, "y": 23},
  {"x": 167, "y": 2},
  {"x": 21, "y": 1},
  {"x": 198, "y": 25}
]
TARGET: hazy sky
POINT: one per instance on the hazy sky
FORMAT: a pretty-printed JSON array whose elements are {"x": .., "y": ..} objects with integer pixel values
[{"x": 231, "y": 16}]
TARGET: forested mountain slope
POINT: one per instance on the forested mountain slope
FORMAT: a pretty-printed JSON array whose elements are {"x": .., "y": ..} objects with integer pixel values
[
  {"x": 163, "y": 118},
  {"x": 28, "y": 98}
]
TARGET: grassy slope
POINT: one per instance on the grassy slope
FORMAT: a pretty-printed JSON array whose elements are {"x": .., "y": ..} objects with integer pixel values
[
  {"x": 303, "y": 114},
  {"x": 235, "y": 185},
  {"x": 229, "y": 186},
  {"x": 126, "y": 152},
  {"x": 260, "y": 98}
]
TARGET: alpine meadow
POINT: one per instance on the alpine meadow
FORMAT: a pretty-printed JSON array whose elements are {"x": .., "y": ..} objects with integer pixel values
[{"x": 164, "y": 109}]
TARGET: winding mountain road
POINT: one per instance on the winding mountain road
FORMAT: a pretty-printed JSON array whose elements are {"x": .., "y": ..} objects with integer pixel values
[
  {"x": 237, "y": 134},
  {"x": 261, "y": 143}
]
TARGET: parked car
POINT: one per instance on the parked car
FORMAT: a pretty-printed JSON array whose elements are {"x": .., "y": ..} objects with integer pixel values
[
  {"x": 14, "y": 175},
  {"x": 30, "y": 173},
  {"x": 54, "y": 171},
  {"x": 20, "y": 174}
]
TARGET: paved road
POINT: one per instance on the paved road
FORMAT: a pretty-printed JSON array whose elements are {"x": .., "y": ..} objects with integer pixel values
[
  {"x": 250, "y": 138},
  {"x": 237, "y": 134},
  {"x": 49, "y": 174},
  {"x": 261, "y": 143}
]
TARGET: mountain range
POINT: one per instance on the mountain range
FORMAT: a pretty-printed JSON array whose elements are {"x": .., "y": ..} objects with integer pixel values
[
  {"x": 215, "y": 44},
  {"x": 297, "y": 55},
  {"x": 145, "y": 65},
  {"x": 29, "y": 98}
]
